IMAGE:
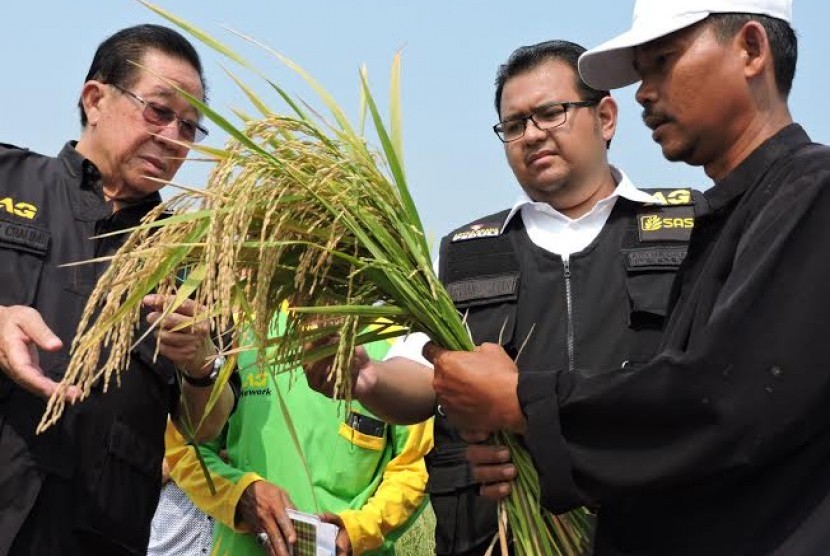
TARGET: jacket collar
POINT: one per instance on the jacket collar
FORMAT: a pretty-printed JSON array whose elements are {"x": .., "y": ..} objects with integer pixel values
[
  {"x": 87, "y": 192},
  {"x": 752, "y": 169}
]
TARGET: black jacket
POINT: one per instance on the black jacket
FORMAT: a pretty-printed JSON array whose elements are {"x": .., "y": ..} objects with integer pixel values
[
  {"x": 600, "y": 308},
  {"x": 109, "y": 447},
  {"x": 720, "y": 445}
]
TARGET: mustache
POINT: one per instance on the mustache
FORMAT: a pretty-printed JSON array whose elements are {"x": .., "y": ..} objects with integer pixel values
[{"x": 653, "y": 117}]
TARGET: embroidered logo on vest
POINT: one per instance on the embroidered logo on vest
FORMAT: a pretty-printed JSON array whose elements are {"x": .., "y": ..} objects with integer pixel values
[
  {"x": 673, "y": 196},
  {"x": 476, "y": 231},
  {"x": 21, "y": 209}
]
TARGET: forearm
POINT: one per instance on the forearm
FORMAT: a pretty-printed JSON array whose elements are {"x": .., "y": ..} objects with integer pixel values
[
  {"x": 191, "y": 411},
  {"x": 397, "y": 390}
]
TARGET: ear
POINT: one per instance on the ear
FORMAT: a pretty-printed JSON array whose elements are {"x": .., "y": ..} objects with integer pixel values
[
  {"x": 92, "y": 99},
  {"x": 607, "y": 114},
  {"x": 755, "y": 50}
]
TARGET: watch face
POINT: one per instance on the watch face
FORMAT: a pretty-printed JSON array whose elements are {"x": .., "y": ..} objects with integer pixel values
[
  {"x": 218, "y": 363},
  {"x": 207, "y": 380}
]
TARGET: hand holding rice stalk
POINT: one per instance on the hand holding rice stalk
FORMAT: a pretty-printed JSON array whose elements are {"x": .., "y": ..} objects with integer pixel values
[{"x": 297, "y": 208}]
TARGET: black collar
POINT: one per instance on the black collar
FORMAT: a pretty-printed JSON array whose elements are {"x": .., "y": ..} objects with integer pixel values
[
  {"x": 750, "y": 171},
  {"x": 87, "y": 191}
]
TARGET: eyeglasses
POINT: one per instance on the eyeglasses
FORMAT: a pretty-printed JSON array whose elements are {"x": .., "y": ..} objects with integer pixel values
[
  {"x": 547, "y": 116},
  {"x": 159, "y": 115}
]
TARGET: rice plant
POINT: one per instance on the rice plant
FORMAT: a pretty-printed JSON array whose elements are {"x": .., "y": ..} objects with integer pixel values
[{"x": 299, "y": 208}]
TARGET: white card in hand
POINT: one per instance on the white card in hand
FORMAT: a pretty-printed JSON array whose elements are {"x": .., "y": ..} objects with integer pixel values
[{"x": 314, "y": 537}]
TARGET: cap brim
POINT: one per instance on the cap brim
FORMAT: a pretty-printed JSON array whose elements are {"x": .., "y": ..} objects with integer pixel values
[{"x": 611, "y": 64}]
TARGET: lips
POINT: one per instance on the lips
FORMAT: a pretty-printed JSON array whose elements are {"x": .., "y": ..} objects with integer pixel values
[
  {"x": 653, "y": 121},
  {"x": 155, "y": 162},
  {"x": 654, "y": 118},
  {"x": 538, "y": 155}
]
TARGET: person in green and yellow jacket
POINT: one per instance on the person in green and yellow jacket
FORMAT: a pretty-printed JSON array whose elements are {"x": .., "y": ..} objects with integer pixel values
[{"x": 363, "y": 474}]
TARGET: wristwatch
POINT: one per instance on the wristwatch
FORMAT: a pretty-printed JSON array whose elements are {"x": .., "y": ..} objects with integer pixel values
[{"x": 210, "y": 379}]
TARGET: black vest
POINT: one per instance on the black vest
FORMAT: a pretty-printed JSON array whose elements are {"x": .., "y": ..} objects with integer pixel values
[{"x": 599, "y": 309}]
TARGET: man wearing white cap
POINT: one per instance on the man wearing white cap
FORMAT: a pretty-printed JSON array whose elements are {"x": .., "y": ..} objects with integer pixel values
[{"x": 720, "y": 445}]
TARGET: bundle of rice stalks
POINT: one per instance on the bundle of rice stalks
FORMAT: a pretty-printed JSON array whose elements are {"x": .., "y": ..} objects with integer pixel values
[{"x": 297, "y": 208}]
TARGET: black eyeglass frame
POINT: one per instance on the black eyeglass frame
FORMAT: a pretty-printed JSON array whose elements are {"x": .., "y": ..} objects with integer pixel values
[
  {"x": 497, "y": 129},
  {"x": 165, "y": 116}
]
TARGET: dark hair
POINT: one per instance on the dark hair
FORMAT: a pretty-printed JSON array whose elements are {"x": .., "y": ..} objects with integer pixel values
[
  {"x": 526, "y": 58},
  {"x": 782, "y": 41},
  {"x": 113, "y": 59}
]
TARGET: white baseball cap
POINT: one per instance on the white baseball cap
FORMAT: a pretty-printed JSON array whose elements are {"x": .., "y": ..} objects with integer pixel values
[{"x": 610, "y": 65}]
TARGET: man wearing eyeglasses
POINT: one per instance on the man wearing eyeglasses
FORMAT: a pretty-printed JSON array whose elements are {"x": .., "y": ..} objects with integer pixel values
[
  {"x": 720, "y": 444},
  {"x": 564, "y": 275},
  {"x": 90, "y": 484},
  {"x": 568, "y": 274}
]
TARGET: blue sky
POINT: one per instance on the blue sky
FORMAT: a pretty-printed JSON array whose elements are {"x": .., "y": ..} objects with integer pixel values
[{"x": 451, "y": 50}]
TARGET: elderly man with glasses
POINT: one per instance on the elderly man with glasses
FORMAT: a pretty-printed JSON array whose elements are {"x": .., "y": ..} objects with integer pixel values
[
  {"x": 578, "y": 271},
  {"x": 90, "y": 484}
]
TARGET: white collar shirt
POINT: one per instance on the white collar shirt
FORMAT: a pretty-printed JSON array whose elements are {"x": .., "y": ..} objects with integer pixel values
[{"x": 553, "y": 231}]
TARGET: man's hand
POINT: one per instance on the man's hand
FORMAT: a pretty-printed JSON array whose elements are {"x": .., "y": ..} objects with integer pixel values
[
  {"x": 342, "y": 543},
  {"x": 188, "y": 347},
  {"x": 477, "y": 390},
  {"x": 491, "y": 466},
  {"x": 22, "y": 333},
  {"x": 262, "y": 507},
  {"x": 320, "y": 377}
]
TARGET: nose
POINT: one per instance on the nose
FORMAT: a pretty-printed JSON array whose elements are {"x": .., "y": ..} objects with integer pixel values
[
  {"x": 646, "y": 92},
  {"x": 533, "y": 132},
  {"x": 168, "y": 133}
]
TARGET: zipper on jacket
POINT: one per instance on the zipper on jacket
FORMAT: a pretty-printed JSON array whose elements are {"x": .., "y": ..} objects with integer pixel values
[{"x": 569, "y": 304}]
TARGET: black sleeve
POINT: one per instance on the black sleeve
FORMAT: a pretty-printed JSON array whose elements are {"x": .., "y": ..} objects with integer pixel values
[
  {"x": 749, "y": 387},
  {"x": 537, "y": 396}
]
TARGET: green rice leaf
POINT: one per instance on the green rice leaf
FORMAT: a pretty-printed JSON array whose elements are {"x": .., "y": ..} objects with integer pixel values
[
  {"x": 395, "y": 112},
  {"x": 255, "y": 100}
]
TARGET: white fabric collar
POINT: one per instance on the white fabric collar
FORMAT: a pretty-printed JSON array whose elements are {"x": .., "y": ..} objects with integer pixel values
[{"x": 625, "y": 188}]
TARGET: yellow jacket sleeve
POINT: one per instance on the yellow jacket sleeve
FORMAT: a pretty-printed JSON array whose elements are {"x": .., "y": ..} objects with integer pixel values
[
  {"x": 397, "y": 498},
  {"x": 188, "y": 474}
]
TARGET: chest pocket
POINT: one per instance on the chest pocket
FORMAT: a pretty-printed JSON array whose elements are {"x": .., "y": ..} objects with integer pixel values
[
  {"x": 650, "y": 272},
  {"x": 22, "y": 250},
  {"x": 362, "y": 449}
]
